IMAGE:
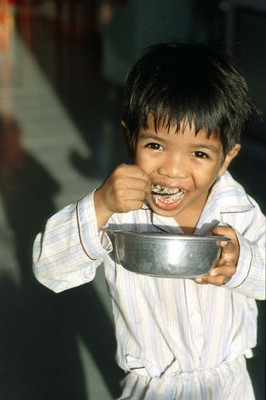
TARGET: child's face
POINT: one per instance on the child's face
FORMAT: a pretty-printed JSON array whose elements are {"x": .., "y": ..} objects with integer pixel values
[{"x": 183, "y": 165}]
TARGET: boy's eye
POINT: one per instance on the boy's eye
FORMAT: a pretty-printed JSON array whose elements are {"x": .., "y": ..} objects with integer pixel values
[
  {"x": 154, "y": 146},
  {"x": 200, "y": 154}
]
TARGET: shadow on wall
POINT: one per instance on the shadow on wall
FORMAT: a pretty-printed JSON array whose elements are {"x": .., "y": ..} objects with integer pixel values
[{"x": 39, "y": 352}]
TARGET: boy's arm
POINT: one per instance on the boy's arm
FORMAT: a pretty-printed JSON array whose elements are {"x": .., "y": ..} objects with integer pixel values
[
  {"x": 242, "y": 263},
  {"x": 73, "y": 245},
  {"x": 70, "y": 249},
  {"x": 250, "y": 276}
]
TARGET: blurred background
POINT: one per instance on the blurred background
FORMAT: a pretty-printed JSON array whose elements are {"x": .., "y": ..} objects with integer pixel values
[{"x": 62, "y": 67}]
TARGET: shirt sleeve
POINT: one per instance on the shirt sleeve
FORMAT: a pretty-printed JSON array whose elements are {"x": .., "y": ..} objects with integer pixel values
[
  {"x": 249, "y": 278},
  {"x": 70, "y": 249}
]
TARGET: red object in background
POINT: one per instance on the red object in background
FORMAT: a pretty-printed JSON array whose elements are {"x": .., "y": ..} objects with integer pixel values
[
  {"x": 20, "y": 2},
  {"x": 6, "y": 24}
]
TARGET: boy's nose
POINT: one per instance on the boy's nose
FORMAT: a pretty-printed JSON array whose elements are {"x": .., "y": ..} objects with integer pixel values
[{"x": 174, "y": 167}]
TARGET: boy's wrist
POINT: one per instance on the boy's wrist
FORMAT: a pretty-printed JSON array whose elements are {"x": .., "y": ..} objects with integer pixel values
[{"x": 101, "y": 211}]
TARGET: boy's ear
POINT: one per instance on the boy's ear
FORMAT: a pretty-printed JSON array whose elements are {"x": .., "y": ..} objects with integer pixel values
[
  {"x": 229, "y": 157},
  {"x": 125, "y": 130},
  {"x": 127, "y": 139},
  {"x": 122, "y": 123}
]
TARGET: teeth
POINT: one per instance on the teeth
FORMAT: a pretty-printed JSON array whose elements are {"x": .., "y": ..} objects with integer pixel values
[{"x": 165, "y": 191}]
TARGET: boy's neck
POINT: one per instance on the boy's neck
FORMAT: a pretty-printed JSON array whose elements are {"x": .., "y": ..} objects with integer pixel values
[
  {"x": 188, "y": 225},
  {"x": 189, "y": 218}
]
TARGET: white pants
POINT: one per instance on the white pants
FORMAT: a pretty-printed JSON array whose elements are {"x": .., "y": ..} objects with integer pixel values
[{"x": 228, "y": 381}]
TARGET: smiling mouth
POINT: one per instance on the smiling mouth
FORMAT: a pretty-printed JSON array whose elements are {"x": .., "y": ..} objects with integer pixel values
[{"x": 169, "y": 195}]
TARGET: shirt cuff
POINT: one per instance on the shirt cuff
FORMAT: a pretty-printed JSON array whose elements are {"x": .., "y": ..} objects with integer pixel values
[{"x": 96, "y": 244}]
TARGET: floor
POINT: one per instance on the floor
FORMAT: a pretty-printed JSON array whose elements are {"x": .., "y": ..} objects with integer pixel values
[{"x": 59, "y": 129}]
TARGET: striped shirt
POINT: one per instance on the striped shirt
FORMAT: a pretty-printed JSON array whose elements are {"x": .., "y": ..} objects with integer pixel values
[{"x": 168, "y": 328}]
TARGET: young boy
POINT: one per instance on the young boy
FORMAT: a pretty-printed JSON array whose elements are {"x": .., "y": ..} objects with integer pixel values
[{"x": 185, "y": 107}]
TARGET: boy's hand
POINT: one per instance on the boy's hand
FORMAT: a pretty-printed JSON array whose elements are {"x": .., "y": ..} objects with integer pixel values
[
  {"x": 225, "y": 267},
  {"x": 125, "y": 189}
]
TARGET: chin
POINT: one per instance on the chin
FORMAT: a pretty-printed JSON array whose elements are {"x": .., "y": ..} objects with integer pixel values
[{"x": 163, "y": 212}]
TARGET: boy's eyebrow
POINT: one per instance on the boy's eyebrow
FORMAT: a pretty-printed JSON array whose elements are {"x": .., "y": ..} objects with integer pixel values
[
  {"x": 201, "y": 145},
  {"x": 206, "y": 146},
  {"x": 149, "y": 135}
]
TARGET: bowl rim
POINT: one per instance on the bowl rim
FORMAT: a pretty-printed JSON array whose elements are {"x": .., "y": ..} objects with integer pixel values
[{"x": 166, "y": 235}]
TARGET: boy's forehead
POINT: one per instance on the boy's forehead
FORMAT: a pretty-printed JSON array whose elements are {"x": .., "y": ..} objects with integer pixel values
[{"x": 166, "y": 125}]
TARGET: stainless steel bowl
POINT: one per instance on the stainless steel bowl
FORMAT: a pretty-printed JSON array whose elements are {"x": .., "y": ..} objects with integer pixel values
[{"x": 165, "y": 255}]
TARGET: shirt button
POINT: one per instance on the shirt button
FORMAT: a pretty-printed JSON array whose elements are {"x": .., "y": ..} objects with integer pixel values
[{"x": 195, "y": 316}]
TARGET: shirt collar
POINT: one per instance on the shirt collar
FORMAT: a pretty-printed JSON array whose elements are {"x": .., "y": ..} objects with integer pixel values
[{"x": 227, "y": 195}]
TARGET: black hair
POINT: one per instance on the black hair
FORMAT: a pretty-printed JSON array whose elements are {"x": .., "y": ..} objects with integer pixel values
[{"x": 177, "y": 82}]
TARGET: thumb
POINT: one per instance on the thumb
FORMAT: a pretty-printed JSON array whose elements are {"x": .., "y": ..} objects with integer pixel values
[
  {"x": 224, "y": 231},
  {"x": 228, "y": 232}
]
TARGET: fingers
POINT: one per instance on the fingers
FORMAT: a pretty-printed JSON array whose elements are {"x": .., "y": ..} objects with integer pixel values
[
  {"x": 130, "y": 183},
  {"x": 133, "y": 171},
  {"x": 125, "y": 189},
  {"x": 219, "y": 275},
  {"x": 224, "y": 231},
  {"x": 229, "y": 250},
  {"x": 226, "y": 266},
  {"x": 214, "y": 280},
  {"x": 131, "y": 176}
]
